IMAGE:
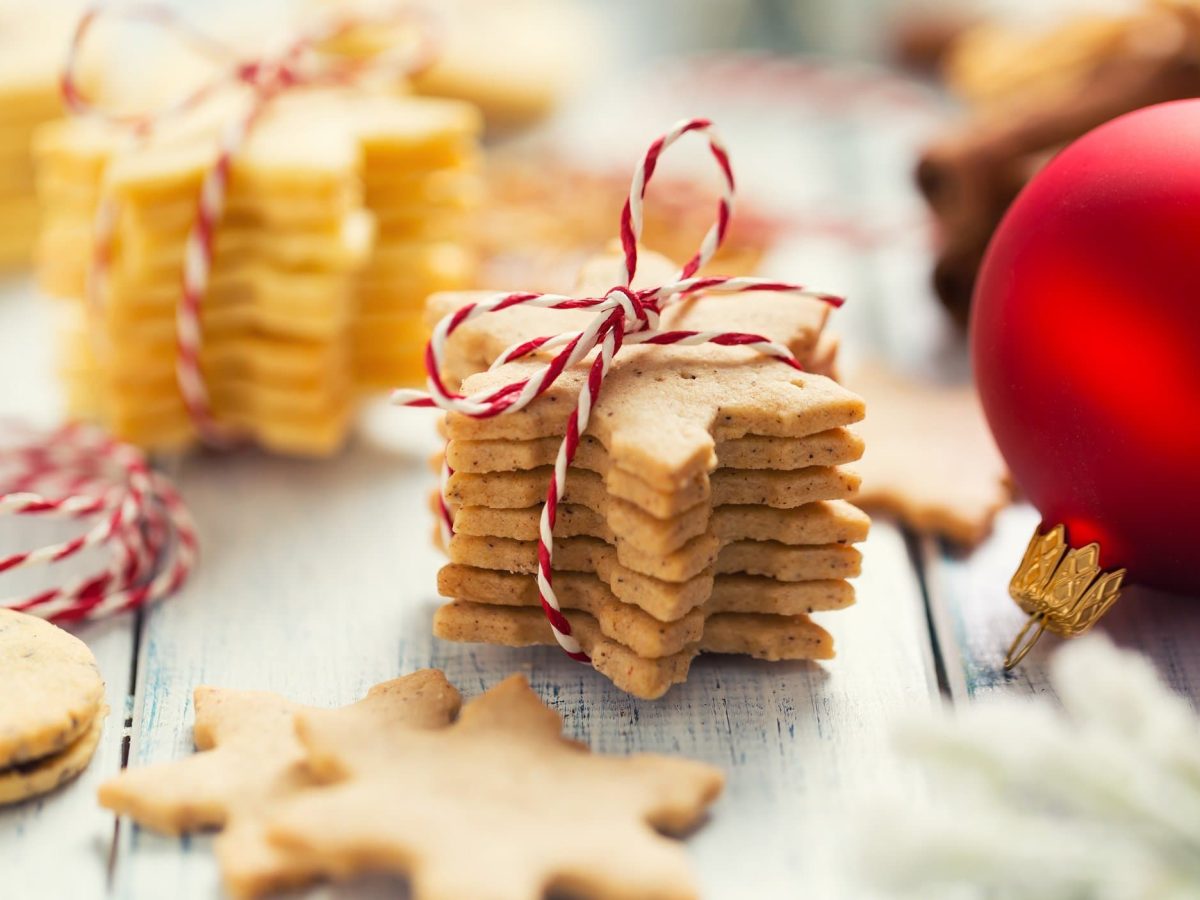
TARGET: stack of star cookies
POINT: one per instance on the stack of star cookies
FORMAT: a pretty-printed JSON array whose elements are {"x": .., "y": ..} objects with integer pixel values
[
  {"x": 31, "y": 48},
  {"x": 706, "y": 509},
  {"x": 52, "y": 706},
  {"x": 338, "y": 220},
  {"x": 420, "y": 176}
]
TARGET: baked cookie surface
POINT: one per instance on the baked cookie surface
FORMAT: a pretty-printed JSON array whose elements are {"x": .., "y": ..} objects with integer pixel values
[
  {"x": 52, "y": 690},
  {"x": 40, "y": 776}
]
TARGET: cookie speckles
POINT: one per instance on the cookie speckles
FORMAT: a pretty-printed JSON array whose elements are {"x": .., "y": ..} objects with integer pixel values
[
  {"x": 52, "y": 689},
  {"x": 42, "y": 775}
]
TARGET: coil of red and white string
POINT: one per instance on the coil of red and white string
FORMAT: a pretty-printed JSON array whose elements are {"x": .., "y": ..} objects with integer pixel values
[
  {"x": 301, "y": 64},
  {"x": 623, "y": 316},
  {"x": 77, "y": 472}
]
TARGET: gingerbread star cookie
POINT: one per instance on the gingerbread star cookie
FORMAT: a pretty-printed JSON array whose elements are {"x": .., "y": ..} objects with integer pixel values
[
  {"x": 248, "y": 754},
  {"x": 497, "y": 805},
  {"x": 794, "y": 321},
  {"x": 930, "y": 459},
  {"x": 250, "y": 759},
  {"x": 663, "y": 409}
]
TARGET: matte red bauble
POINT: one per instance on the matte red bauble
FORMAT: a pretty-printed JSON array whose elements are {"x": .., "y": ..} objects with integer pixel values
[{"x": 1086, "y": 344}]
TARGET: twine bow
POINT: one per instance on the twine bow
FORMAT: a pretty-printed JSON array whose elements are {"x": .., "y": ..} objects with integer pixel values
[
  {"x": 78, "y": 472},
  {"x": 301, "y": 64},
  {"x": 623, "y": 316}
]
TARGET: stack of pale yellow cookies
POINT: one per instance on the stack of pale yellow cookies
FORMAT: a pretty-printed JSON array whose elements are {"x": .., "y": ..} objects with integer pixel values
[
  {"x": 706, "y": 509},
  {"x": 421, "y": 182},
  {"x": 340, "y": 217},
  {"x": 32, "y": 45}
]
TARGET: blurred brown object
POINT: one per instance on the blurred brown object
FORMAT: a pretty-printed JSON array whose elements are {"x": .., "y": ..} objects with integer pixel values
[
  {"x": 1030, "y": 96},
  {"x": 920, "y": 37},
  {"x": 544, "y": 217}
]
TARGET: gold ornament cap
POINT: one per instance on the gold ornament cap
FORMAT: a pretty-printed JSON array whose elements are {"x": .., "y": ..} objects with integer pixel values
[{"x": 1064, "y": 590}]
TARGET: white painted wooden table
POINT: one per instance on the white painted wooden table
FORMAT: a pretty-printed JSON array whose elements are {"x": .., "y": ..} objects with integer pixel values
[{"x": 317, "y": 581}]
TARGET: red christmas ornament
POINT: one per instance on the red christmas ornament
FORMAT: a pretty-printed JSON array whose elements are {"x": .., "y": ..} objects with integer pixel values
[{"x": 1086, "y": 344}]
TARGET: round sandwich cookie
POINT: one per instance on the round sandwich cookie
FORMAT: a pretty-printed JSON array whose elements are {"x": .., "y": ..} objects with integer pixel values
[
  {"x": 40, "y": 776},
  {"x": 52, "y": 702}
]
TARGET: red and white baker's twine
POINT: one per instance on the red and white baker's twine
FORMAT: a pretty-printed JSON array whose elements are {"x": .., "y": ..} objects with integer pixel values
[
  {"x": 623, "y": 316},
  {"x": 300, "y": 65},
  {"x": 78, "y": 472}
]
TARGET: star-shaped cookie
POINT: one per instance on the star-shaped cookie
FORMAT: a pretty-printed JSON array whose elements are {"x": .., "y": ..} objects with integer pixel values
[
  {"x": 662, "y": 410},
  {"x": 498, "y": 805},
  {"x": 796, "y": 322},
  {"x": 930, "y": 458},
  {"x": 250, "y": 760}
]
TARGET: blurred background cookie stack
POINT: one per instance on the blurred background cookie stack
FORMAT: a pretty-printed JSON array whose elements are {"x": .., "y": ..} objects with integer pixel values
[
  {"x": 421, "y": 181},
  {"x": 340, "y": 217},
  {"x": 275, "y": 319},
  {"x": 706, "y": 510},
  {"x": 31, "y": 42}
]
